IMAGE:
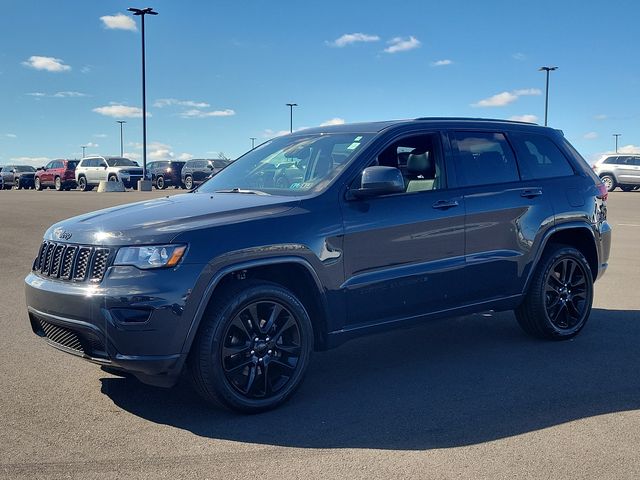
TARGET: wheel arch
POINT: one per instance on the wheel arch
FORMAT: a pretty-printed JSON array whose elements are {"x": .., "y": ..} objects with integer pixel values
[
  {"x": 294, "y": 273},
  {"x": 574, "y": 234}
]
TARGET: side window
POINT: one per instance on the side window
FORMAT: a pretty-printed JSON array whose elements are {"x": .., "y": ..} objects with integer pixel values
[
  {"x": 611, "y": 160},
  {"x": 419, "y": 159},
  {"x": 484, "y": 158},
  {"x": 49, "y": 165},
  {"x": 635, "y": 161},
  {"x": 539, "y": 157}
]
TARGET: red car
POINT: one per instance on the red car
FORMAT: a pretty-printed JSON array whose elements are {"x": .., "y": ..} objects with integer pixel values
[{"x": 59, "y": 174}]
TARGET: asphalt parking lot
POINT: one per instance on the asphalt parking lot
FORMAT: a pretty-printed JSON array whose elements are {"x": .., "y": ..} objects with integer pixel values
[{"x": 470, "y": 397}]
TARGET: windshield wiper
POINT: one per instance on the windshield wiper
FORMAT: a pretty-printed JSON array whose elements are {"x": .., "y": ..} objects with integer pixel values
[{"x": 242, "y": 190}]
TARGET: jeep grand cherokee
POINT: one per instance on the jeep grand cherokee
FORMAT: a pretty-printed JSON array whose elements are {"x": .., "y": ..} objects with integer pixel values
[{"x": 387, "y": 224}]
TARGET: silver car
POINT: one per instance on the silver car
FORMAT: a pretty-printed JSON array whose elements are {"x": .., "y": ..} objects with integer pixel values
[{"x": 619, "y": 170}]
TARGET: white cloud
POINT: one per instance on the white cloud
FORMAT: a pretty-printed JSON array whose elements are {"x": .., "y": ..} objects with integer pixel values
[
  {"x": 269, "y": 133},
  {"x": 91, "y": 145},
  {"x": 36, "y": 94},
  {"x": 33, "y": 161},
  {"x": 519, "y": 56},
  {"x": 400, "y": 44},
  {"x": 50, "y": 64},
  {"x": 100, "y": 135},
  {"x": 120, "y": 111},
  {"x": 10, "y": 135},
  {"x": 528, "y": 91},
  {"x": 350, "y": 38},
  {"x": 505, "y": 98},
  {"x": 167, "y": 102},
  {"x": 333, "y": 121},
  {"x": 85, "y": 69},
  {"x": 132, "y": 155},
  {"x": 441, "y": 63},
  {"x": 69, "y": 94},
  {"x": 590, "y": 136},
  {"x": 524, "y": 118},
  {"x": 195, "y": 113},
  {"x": 185, "y": 156},
  {"x": 601, "y": 116},
  {"x": 629, "y": 149},
  {"x": 119, "y": 21}
]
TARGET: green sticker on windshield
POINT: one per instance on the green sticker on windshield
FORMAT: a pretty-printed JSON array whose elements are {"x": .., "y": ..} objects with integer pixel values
[
  {"x": 358, "y": 138},
  {"x": 353, "y": 146}
]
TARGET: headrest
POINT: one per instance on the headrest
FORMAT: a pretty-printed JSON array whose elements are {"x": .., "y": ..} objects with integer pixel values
[{"x": 418, "y": 162}]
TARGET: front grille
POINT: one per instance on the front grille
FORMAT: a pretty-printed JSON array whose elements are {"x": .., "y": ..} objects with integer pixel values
[
  {"x": 61, "y": 336},
  {"x": 72, "y": 262}
]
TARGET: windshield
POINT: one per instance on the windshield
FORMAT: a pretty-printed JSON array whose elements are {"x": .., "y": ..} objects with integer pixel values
[
  {"x": 289, "y": 165},
  {"x": 25, "y": 168},
  {"x": 121, "y": 162}
]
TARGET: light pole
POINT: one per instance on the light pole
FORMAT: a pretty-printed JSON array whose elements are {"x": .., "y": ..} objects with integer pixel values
[
  {"x": 617, "y": 135},
  {"x": 253, "y": 142},
  {"x": 546, "y": 102},
  {"x": 291, "y": 105},
  {"x": 142, "y": 12},
  {"x": 83, "y": 147},
  {"x": 121, "y": 144}
]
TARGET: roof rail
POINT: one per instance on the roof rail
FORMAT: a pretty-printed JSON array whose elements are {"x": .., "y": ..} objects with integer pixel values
[{"x": 476, "y": 119}]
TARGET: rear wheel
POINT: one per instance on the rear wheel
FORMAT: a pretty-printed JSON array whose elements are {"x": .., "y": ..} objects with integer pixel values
[
  {"x": 560, "y": 296},
  {"x": 17, "y": 184},
  {"x": 609, "y": 182},
  {"x": 188, "y": 182},
  {"x": 627, "y": 188},
  {"x": 253, "y": 347},
  {"x": 57, "y": 183},
  {"x": 160, "y": 185},
  {"x": 83, "y": 185},
  {"x": 37, "y": 184}
]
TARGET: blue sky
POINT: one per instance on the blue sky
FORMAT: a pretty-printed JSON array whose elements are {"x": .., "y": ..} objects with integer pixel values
[{"x": 221, "y": 72}]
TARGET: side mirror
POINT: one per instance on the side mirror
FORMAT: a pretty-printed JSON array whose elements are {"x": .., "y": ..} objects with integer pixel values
[{"x": 377, "y": 181}]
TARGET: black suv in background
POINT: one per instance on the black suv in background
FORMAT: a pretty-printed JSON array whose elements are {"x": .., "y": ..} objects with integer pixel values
[
  {"x": 198, "y": 170},
  {"x": 17, "y": 176},
  {"x": 241, "y": 280},
  {"x": 166, "y": 173}
]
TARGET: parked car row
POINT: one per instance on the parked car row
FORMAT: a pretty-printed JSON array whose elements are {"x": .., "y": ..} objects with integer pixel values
[{"x": 85, "y": 174}]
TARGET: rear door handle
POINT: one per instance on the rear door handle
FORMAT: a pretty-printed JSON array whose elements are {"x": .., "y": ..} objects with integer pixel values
[
  {"x": 445, "y": 204},
  {"x": 531, "y": 193}
]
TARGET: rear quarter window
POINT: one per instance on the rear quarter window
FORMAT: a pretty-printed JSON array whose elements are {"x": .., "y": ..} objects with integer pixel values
[{"x": 539, "y": 157}]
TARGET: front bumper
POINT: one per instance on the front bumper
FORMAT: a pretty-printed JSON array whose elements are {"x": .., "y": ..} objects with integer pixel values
[{"x": 133, "y": 321}]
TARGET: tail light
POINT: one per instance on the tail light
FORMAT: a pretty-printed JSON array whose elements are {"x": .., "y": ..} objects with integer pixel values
[{"x": 602, "y": 190}]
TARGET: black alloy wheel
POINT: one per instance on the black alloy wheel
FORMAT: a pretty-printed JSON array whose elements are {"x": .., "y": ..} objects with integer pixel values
[
  {"x": 558, "y": 302},
  {"x": 253, "y": 347},
  {"x": 57, "y": 183}
]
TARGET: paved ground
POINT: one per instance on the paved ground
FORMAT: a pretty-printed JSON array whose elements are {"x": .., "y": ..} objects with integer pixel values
[{"x": 471, "y": 397}]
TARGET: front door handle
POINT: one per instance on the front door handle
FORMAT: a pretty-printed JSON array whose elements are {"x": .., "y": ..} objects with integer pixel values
[
  {"x": 531, "y": 193},
  {"x": 445, "y": 204}
]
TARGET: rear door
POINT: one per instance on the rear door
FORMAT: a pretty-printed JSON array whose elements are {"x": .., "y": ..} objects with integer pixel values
[
  {"x": 504, "y": 214},
  {"x": 628, "y": 171},
  {"x": 403, "y": 253}
]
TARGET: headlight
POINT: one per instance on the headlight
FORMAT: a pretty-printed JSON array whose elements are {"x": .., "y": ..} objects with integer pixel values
[{"x": 150, "y": 256}]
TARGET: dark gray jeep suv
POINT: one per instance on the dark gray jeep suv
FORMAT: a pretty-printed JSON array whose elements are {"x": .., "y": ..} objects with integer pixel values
[{"x": 384, "y": 224}]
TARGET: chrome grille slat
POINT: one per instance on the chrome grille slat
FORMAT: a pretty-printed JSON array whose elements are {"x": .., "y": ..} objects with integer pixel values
[{"x": 77, "y": 263}]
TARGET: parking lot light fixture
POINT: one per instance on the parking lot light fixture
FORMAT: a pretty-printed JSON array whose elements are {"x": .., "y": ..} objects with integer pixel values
[
  {"x": 546, "y": 101},
  {"x": 121, "y": 144},
  {"x": 253, "y": 142},
  {"x": 141, "y": 12},
  {"x": 291, "y": 105},
  {"x": 83, "y": 149},
  {"x": 617, "y": 135}
]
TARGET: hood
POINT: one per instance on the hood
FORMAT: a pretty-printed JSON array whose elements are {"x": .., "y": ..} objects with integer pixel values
[{"x": 161, "y": 220}]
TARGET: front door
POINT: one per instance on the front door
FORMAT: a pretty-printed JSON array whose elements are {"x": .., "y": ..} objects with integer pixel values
[{"x": 403, "y": 253}]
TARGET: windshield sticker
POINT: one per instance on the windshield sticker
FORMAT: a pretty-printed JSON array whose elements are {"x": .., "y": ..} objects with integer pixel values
[
  {"x": 353, "y": 146},
  {"x": 358, "y": 138}
]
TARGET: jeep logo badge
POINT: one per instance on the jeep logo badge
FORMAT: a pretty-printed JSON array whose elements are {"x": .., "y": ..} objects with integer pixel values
[{"x": 64, "y": 235}]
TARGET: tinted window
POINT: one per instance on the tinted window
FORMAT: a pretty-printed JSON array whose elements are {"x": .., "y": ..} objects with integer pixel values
[
  {"x": 483, "y": 158},
  {"x": 121, "y": 162},
  {"x": 539, "y": 157},
  {"x": 611, "y": 160},
  {"x": 71, "y": 165},
  {"x": 220, "y": 163},
  {"x": 635, "y": 161},
  {"x": 25, "y": 168}
]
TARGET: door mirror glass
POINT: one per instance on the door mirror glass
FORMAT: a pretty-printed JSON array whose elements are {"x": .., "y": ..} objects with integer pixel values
[{"x": 377, "y": 180}]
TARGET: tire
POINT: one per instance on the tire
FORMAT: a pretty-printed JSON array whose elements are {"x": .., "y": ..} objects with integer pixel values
[
  {"x": 561, "y": 283},
  {"x": 83, "y": 186},
  {"x": 258, "y": 375},
  {"x": 188, "y": 182},
  {"x": 627, "y": 188},
  {"x": 160, "y": 185},
  {"x": 17, "y": 184},
  {"x": 609, "y": 182},
  {"x": 112, "y": 178},
  {"x": 57, "y": 184},
  {"x": 37, "y": 185}
]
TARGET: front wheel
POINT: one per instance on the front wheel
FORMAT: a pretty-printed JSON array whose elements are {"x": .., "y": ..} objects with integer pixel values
[
  {"x": 559, "y": 299},
  {"x": 188, "y": 182},
  {"x": 17, "y": 184},
  {"x": 83, "y": 185},
  {"x": 627, "y": 188},
  {"x": 37, "y": 184},
  {"x": 160, "y": 185},
  {"x": 57, "y": 184},
  {"x": 253, "y": 347},
  {"x": 609, "y": 182}
]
